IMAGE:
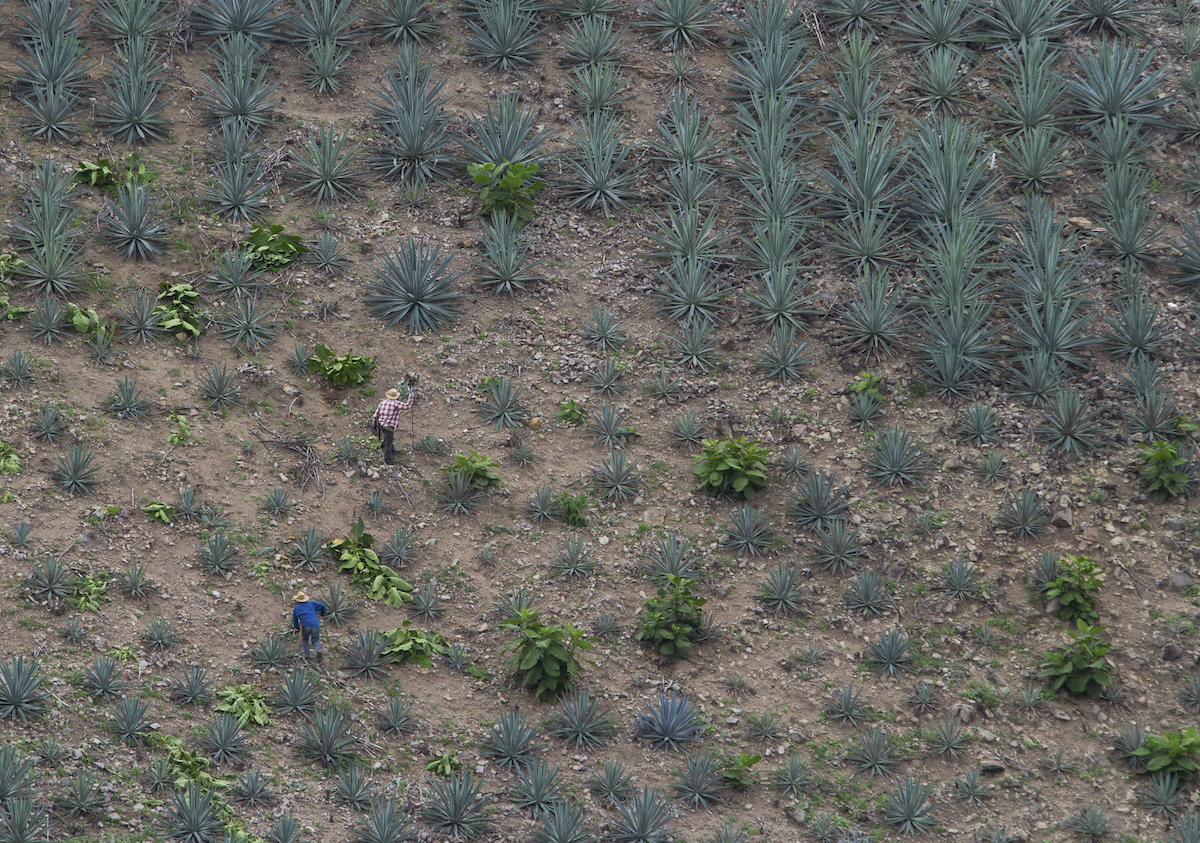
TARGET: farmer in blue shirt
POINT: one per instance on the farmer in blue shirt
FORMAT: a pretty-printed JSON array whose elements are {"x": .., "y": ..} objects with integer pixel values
[{"x": 306, "y": 619}]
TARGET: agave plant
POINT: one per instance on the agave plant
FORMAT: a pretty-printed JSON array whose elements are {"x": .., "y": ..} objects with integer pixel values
[
  {"x": 412, "y": 286},
  {"x": 505, "y": 133},
  {"x": 1117, "y": 81},
  {"x": 134, "y": 227},
  {"x": 409, "y": 111},
  {"x": 75, "y": 472},
  {"x": 504, "y": 264},
  {"x": 507, "y": 36},
  {"x": 456, "y": 806},
  {"x": 1070, "y": 424},
  {"x": 597, "y": 162},
  {"x": 326, "y": 168},
  {"x": 239, "y": 92}
]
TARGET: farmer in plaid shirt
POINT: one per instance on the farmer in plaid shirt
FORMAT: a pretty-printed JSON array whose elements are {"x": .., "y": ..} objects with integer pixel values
[{"x": 387, "y": 416}]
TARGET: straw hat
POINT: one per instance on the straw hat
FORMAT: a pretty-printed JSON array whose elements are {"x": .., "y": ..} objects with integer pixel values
[
  {"x": 393, "y": 394},
  {"x": 300, "y": 597}
]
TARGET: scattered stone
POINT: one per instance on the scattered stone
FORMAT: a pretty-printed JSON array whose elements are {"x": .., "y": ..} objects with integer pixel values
[
  {"x": 964, "y": 711},
  {"x": 1062, "y": 517},
  {"x": 991, "y": 768},
  {"x": 1177, "y": 581},
  {"x": 1172, "y": 652}
]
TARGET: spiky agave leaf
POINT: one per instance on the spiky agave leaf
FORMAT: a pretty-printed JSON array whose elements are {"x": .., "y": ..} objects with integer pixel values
[
  {"x": 126, "y": 20},
  {"x": 325, "y": 20},
  {"x": 327, "y": 168},
  {"x": 192, "y": 815},
  {"x": 409, "y": 111},
  {"x": 680, "y": 23},
  {"x": 329, "y": 738},
  {"x": 506, "y": 37},
  {"x": 908, "y": 808},
  {"x": 598, "y": 89},
  {"x": 21, "y": 694},
  {"x": 670, "y": 724},
  {"x": 1034, "y": 94},
  {"x": 1012, "y": 25},
  {"x": 134, "y": 112},
  {"x": 1036, "y": 157},
  {"x": 594, "y": 39},
  {"x": 237, "y": 188},
  {"x": 505, "y": 133},
  {"x": 1070, "y": 424},
  {"x": 239, "y": 93},
  {"x": 930, "y": 24},
  {"x": 54, "y": 267},
  {"x": 1117, "y": 81},
  {"x": 579, "y": 720},
  {"x": 412, "y": 286},
  {"x": 251, "y": 19},
  {"x": 404, "y": 21},
  {"x": 456, "y": 806},
  {"x": 75, "y": 473},
  {"x": 505, "y": 265},
  {"x": 134, "y": 226},
  {"x": 248, "y": 322},
  {"x": 49, "y": 322}
]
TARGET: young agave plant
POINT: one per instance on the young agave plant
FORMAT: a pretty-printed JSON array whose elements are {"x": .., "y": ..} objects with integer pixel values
[
  {"x": 134, "y": 111},
  {"x": 133, "y": 226},
  {"x": 409, "y": 111},
  {"x": 413, "y": 288},
  {"x": 505, "y": 265},
  {"x": 326, "y": 167},
  {"x": 600, "y": 180}
]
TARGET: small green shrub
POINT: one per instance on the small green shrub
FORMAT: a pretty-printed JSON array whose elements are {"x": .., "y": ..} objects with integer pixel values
[
  {"x": 85, "y": 321},
  {"x": 508, "y": 187},
  {"x": 176, "y": 309},
  {"x": 246, "y": 703},
  {"x": 163, "y": 513},
  {"x": 574, "y": 508},
  {"x": 1074, "y": 587},
  {"x": 270, "y": 249},
  {"x": 673, "y": 618},
  {"x": 733, "y": 467},
  {"x": 1165, "y": 470},
  {"x": 737, "y": 773},
  {"x": 412, "y": 644},
  {"x": 868, "y": 385},
  {"x": 544, "y": 655},
  {"x": 1172, "y": 752},
  {"x": 1079, "y": 665},
  {"x": 481, "y": 470},
  {"x": 340, "y": 369},
  {"x": 100, "y": 174},
  {"x": 569, "y": 412},
  {"x": 376, "y": 580}
]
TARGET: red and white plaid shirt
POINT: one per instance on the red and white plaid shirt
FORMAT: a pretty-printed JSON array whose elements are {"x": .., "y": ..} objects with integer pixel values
[{"x": 387, "y": 414}]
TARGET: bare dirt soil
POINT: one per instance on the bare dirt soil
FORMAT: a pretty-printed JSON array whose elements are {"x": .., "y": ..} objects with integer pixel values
[{"x": 979, "y": 653}]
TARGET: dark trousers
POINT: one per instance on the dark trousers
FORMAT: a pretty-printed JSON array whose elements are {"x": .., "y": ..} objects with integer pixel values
[
  {"x": 310, "y": 634},
  {"x": 389, "y": 446}
]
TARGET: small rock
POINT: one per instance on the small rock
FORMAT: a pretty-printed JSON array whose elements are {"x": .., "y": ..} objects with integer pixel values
[
  {"x": 1177, "y": 581},
  {"x": 951, "y": 464},
  {"x": 1172, "y": 652},
  {"x": 963, "y": 711},
  {"x": 1062, "y": 518},
  {"x": 1035, "y": 468},
  {"x": 991, "y": 768},
  {"x": 995, "y": 678}
]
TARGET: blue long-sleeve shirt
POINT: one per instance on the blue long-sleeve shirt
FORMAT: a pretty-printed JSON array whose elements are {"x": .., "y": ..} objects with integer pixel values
[{"x": 308, "y": 614}]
